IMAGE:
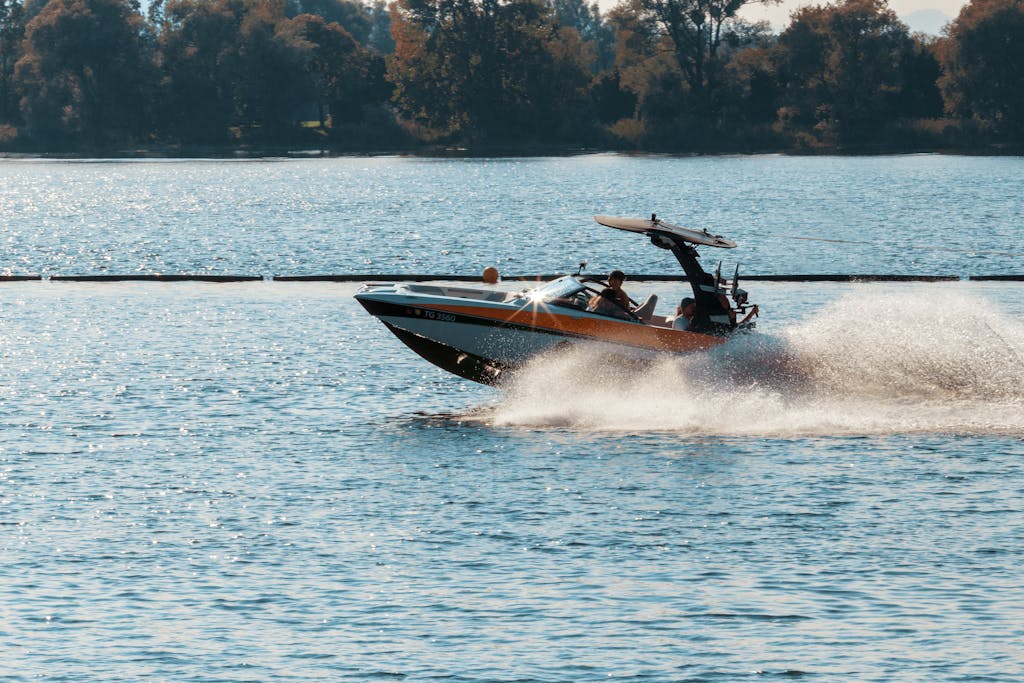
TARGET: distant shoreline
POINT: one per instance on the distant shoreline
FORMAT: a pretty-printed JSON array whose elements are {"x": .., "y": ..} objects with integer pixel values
[{"x": 485, "y": 151}]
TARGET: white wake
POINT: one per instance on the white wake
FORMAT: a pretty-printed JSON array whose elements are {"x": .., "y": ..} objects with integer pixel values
[{"x": 865, "y": 364}]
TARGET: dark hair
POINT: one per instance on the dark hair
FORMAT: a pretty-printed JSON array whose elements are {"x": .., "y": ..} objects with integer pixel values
[
  {"x": 617, "y": 274},
  {"x": 608, "y": 293}
]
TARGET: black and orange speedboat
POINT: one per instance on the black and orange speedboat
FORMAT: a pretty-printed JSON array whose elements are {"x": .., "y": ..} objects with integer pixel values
[{"x": 481, "y": 334}]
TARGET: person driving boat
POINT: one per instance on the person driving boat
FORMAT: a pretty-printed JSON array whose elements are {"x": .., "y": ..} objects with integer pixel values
[
  {"x": 607, "y": 303},
  {"x": 615, "y": 280},
  {"x": 642, "y": 312}
]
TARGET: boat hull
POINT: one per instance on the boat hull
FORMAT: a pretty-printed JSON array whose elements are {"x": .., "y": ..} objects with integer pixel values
[
  {"x": 483, "y": 338},
  {"x": 465, "y": 365}
]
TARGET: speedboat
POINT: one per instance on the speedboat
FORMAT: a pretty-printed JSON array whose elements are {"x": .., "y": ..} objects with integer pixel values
[{"x": 484, "y": 334}]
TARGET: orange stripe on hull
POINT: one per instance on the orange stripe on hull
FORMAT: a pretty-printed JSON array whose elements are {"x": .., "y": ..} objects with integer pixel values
[{"x": 606, "y": 329}]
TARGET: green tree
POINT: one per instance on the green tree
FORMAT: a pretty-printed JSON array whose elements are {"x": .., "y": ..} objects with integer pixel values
[
  {"x": 751, "y": 85},
  {"x": 354, "y": 17},
  {"x": 612, "y": 102},
  {"x": 671, "y": 112},
  {"x": 243, "y": 70},
  {"x": 843, "y": 69},
  {"x": 198, "y": 60},
  {"x": 344, "y": 76},
  {"x": 697, "y": 30},
  {"x": 588, "y": 22},
  {"x": 646, "y": 72},
  {"x": 83, "y": 73},
  {"x": 920, "y": 96},
  {"x": 271, "y": 86},
  {"x": 12, "y": 32},
  {"x": 489, "y": 70},
  {"x": 983, "y": 59}
]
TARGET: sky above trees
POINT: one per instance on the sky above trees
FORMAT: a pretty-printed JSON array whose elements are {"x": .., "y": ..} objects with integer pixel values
[{"x": 779, "y": 14}]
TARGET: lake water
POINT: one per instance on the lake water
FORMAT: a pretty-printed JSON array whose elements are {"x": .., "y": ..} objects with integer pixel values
[
  {"x": 257, "y": 482},
  {"x": 908, "y": 214}
]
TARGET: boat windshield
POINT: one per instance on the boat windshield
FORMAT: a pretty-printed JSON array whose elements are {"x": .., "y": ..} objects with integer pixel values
[
  {"x": 565, "y": 291},
  {"x": 561, "y": 288}
]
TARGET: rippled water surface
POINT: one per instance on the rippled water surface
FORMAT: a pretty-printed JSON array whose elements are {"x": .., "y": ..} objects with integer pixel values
[
  {"x": 908, "y": 214},
  {"x": 256, "y": 482}
]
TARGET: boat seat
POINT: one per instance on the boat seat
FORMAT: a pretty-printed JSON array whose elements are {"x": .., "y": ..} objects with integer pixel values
[
  {"x": 646, "y": 310},
  {"x": 660, "y": 321}
]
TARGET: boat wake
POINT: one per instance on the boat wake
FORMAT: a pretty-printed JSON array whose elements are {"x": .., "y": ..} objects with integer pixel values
[{"x": 866, "y": 364}]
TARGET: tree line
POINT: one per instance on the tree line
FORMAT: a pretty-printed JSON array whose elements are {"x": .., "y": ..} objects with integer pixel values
[{"x": 668, "y": 75}]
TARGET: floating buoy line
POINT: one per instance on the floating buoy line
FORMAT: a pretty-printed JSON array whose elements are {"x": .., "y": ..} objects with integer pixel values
[{"x": 488, "y": 278}]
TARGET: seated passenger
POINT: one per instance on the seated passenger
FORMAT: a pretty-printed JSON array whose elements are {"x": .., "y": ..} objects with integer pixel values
[{"x": 684, "y": 314}]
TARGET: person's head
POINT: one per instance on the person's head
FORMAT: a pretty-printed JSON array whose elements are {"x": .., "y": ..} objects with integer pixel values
[
  {"x": 687, "y": 307},
  {"x": 608, "y": 293},
  {"x": 616, "y": 278}
]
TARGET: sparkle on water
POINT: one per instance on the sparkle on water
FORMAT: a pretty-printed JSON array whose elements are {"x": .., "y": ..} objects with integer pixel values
[{"x": 257, "y": 482}]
